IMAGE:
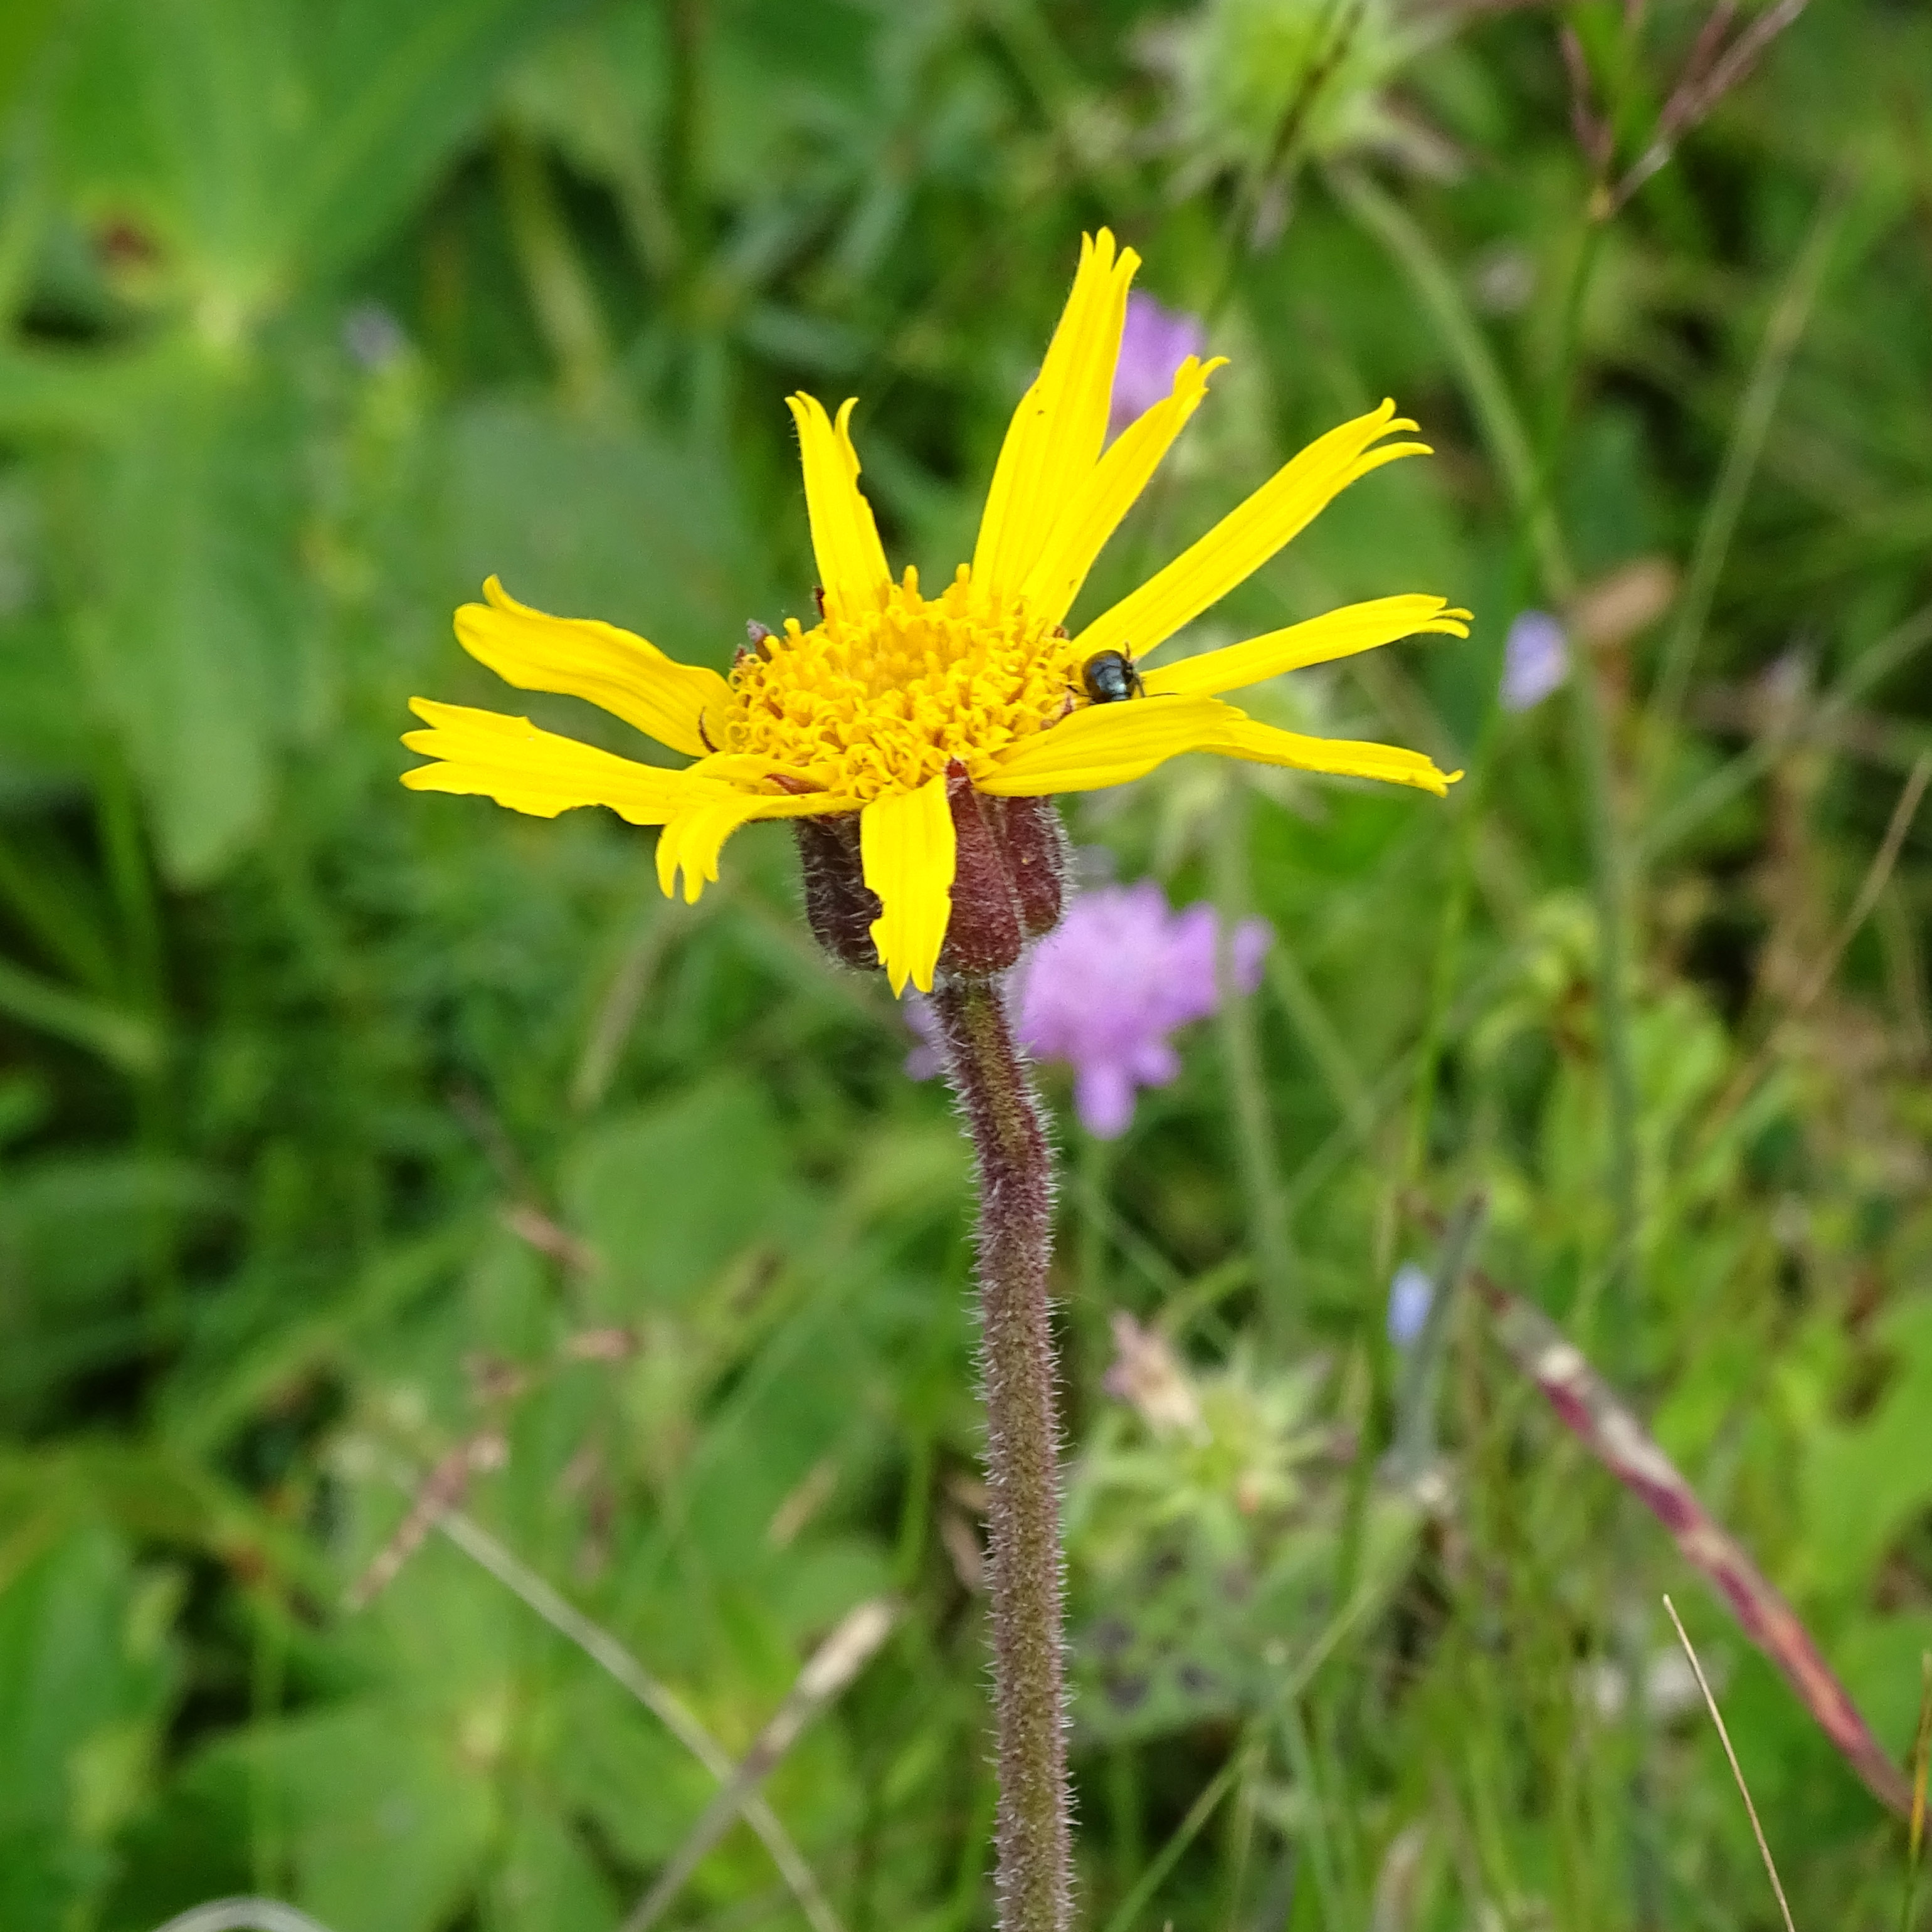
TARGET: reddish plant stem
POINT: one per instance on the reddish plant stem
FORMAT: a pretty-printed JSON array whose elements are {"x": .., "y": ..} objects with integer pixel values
[
  {"x": 1003, "y": 1117},
  {"x": 1590, "y": 1408}
]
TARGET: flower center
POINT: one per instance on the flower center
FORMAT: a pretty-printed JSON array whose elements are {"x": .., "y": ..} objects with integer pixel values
[{"x": 884, "y": 700}]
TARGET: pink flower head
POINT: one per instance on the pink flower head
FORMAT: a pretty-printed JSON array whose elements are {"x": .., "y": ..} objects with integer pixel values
[
  {"x": 1106, "y": 987},
  {"x": 1154, "y": 343}
]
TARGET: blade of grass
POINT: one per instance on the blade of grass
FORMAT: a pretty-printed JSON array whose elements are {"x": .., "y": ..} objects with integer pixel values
[
  {"x": 1183, "y": 1834},
  {"x": 617, "y": 1011},
  {"x": 1747, "y": 1076},
  {"x": 1290, "y": 1687},
  {"x": 1241, "y": 1050},
  {"x": 827, "y": 1671},
  {"x": 1922, "y": 1758},
  {"x": 1503, "y": 431},
  {"x": 604, "y": 1650},
  {"x": 1319, "y": 1033},
  {"x": 1783, "y": 333},
  {"x": 1416, "y": 1397},
  {"x": 1737, "y": 1771},
  {"x": 1893, "y": 650},
  {"x": 128, "y": 1042}
]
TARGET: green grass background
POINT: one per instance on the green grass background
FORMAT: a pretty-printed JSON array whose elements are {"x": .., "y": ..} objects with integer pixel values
[{"x": 329, "y": 1115}]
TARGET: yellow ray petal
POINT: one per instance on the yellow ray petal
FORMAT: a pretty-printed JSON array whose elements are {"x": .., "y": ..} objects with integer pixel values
[
  {"x": 1106, "y": 745},
  {"x": 1340, "y": 634},
  {"x": 1244, "y": 540},
  {"x": 1055, "y": 436},
  {"x": 852, "y": 569},
  {"x": 583, "y": 657},
  {"x": 906, "y": 843},
  {"x": 714, "y": 808},
  {"x": 694, "y": 838},
  {"x": 1109, "y": 490},
  {"x": 1260, "y": 744},
  {"x": 509, "y": 760}
]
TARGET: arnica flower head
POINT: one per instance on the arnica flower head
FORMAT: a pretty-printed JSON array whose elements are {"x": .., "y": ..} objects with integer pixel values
[
  {"x": 916, "y": 739},
  {"x": 1123, "y": 972}
]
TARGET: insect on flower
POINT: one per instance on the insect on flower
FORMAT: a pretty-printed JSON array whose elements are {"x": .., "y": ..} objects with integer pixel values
[
  {"x": 1109, "y": 676},
  {"x": 917, "y": 742}
]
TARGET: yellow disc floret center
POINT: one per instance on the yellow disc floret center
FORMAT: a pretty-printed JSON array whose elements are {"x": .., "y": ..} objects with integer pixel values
[{"x": 883, "y": 700}]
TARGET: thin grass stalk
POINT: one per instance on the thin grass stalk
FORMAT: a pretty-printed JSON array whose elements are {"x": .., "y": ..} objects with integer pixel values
[
  {"x": 830, "y": 1668},
  {"x": 1240, "y": 1047},
  {"x": 1782, "y": 335},
  {"x": 1737, "y": 1770},
  {"x": 1503, "y": 429},
  {"x": 604, "y": 1651},
  {"x": 1922, "y": 1763}
]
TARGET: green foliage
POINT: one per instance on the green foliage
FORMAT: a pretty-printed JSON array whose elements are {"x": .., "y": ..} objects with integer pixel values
[{"x": 358, "y": 1150}]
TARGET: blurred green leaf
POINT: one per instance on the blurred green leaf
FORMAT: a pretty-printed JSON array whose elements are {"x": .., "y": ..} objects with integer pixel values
[
  {"x": 269, "y": 141},
  {"x": 548, "y": 1880},
  {"x": 190, "y": 648},
  {"x": 579, "y": 518},
  {"x": 74, "y": 1230},
  {"x": 1864, "y": 1482},
  {"x": 130, "y": 1041},
  {"x": 87, "y": 1682},
  {"x": 671, "y": 1195}
]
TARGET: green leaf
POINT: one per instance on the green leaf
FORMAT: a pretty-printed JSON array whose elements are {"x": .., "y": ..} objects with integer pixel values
[
  {"x": 73, "y": 1230},
  {"x": 669, "y": 1196},
  {"x": 1865, "y": 1482},
  {"x": 270, "y": 143},
  {"x": 190, "y": 647},
  {"x": 599, "y": 521},
  {"x": 385, "y": 1823},
  {"x": 547, "y": 1882},
  {"x": 85, "y": 1679},
  {"x": 129, "y": 1042}
]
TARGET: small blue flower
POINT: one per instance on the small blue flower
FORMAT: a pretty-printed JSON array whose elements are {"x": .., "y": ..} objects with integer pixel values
[
  {"x": 1410, "y": 1294},
  {"x": 1536, "y": 660}
]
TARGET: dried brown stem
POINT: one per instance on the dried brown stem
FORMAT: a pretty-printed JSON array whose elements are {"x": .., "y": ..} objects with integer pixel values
[{"x": 830, "y": 1669}]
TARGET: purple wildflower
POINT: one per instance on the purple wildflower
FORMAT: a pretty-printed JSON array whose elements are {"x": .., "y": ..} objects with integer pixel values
[
  {"x": 1104, "y": 989},
  {"x": 1536, "y": 660},
  {"x": 1153, "y": 344},
  {"x": 372, "y": 336},
  {"x": 1410, "y": 1294}
]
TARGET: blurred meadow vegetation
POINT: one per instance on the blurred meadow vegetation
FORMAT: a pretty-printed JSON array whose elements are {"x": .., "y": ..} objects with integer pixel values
[{"x": 347, "y": 1136}]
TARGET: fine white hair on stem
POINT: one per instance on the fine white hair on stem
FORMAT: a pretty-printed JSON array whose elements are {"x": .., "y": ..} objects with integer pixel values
[{"x": 1744, "y": 1789}]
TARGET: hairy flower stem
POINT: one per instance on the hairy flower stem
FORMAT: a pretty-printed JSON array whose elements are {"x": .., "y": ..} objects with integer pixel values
[{"x": 1022, "y": 1452}]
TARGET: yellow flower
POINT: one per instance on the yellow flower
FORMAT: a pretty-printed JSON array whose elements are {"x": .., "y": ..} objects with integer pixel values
[{"x": 868, "y": 710}]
